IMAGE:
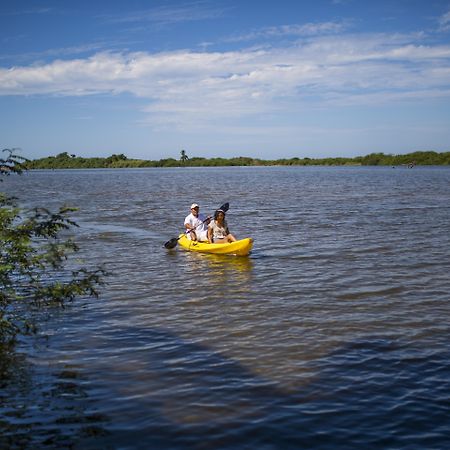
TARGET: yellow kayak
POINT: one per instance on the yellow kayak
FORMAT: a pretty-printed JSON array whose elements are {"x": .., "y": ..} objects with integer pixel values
[{"x": 240, "y": 248}]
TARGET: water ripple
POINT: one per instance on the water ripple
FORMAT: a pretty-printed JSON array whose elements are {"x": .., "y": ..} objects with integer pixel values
[{"x": 332, "y": 334}]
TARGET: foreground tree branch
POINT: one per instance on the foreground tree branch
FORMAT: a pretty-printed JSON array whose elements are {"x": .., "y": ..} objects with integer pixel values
[{"x": 35, "y": 266}]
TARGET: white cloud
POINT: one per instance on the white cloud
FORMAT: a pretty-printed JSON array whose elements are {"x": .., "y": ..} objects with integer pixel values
[
  {"x": 308, "y": 29},
  {"x": 31, "y": 11},
  {"x": 444, "y": 22},
  {"x": 170, "y": 14},
  {"x": 185, "y": 88}
]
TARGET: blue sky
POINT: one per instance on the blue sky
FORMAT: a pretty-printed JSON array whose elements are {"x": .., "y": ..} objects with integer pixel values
[{"x": 267, "y": 79}]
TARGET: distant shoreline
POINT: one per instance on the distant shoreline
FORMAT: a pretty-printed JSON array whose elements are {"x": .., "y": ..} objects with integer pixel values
[{"x": 66, "y": 161}]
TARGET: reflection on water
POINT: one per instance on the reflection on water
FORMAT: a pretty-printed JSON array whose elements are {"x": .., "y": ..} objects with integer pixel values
[
  {"x": 221, "y": 269},
  {"x": 333, "y": 333}
]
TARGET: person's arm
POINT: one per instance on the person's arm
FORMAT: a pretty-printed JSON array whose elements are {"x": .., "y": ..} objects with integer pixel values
[
  {"x": 187, "y": 224},
  {"x": 209, "y": 234},
  {"x": 230, "y": 237}
]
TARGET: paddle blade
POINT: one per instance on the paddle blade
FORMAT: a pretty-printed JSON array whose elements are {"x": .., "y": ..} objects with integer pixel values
[
  {"x": 225, "y": 207},
  {"x": 171, "y": 244}
]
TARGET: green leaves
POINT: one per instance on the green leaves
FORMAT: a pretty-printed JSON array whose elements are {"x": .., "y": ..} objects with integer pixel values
[
  {"x": 34, "y": 260},
  {"x": 13, "y": 163}
]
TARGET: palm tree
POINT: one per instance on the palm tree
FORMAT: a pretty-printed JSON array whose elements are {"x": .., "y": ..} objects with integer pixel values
[{"x": 184, "y": 157}]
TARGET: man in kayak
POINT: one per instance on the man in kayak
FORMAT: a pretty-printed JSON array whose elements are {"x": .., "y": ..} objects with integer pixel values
[
  {"x": 218, "y": 232},
  {"x": 196, "y": 224}
]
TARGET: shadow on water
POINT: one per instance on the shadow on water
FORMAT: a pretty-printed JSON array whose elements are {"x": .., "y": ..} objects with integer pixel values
[
  {"x": 42, "y": 409},
  {"x": 374, "y": 393}
]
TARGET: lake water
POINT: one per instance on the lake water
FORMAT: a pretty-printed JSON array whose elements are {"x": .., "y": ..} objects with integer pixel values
[{"x": 333, "y": 333}]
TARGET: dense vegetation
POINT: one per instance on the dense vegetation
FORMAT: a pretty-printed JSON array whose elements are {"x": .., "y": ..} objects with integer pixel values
[
  {"x": 34, "y": 260},
  {"x": 66, "y": 161}
]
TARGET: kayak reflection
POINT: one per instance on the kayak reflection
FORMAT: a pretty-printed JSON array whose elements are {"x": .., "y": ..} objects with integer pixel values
[{"x": 220, "y": 268}]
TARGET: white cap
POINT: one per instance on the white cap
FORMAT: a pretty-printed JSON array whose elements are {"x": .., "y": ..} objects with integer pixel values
[{"x": 194, "y": 205}]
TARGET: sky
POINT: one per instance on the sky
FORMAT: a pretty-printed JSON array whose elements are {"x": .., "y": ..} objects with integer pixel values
[{"x": 224, "y": 78}]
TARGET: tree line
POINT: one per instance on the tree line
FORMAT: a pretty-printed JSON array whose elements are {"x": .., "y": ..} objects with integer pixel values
[{"x": 66, "y": 161}]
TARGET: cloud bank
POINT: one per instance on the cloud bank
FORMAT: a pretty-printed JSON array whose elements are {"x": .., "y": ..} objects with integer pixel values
[{"x": 185, "y": 87}]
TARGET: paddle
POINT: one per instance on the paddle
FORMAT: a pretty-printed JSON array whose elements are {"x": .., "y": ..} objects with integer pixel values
[{"x": 174, "y": 241}]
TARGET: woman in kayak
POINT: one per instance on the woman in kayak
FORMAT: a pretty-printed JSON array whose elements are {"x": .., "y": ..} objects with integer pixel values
[{"x": 218, "y": 232}]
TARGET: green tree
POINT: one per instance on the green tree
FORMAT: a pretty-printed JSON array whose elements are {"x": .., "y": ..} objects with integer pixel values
[
  {"x": 184, "y": 157},
  {"x": 34, "y": 260},
  {"x": 373, "y": 159}
]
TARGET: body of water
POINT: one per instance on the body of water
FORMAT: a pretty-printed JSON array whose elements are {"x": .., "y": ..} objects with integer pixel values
[{"x": 333, "y": 333}]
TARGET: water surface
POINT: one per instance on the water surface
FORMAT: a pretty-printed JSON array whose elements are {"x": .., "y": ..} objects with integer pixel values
[{"x": 332, "y": 334}]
